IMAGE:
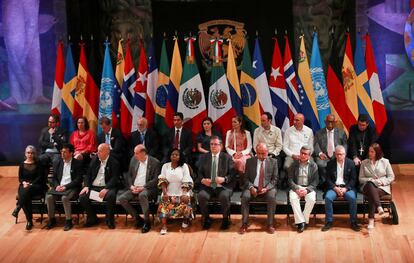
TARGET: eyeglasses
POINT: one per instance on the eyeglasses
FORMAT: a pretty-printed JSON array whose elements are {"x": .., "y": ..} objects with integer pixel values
[
  {"x": 51, "y": 122},
  {"x": 215, "y": 144}
]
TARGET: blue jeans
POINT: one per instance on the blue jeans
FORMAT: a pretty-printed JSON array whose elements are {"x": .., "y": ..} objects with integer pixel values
[{"x": 350, "y": 196}]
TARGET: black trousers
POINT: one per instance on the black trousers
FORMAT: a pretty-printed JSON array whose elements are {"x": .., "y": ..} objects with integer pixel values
[{"x": 110, "y": 199}]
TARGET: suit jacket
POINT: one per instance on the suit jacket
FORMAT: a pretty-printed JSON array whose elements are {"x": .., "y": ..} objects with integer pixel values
[
  {"x": 75, "y": 174},
  {"x": 60, "y": 137},
  {"x": 186, "y": 142},
  {"x": 117, "y": 143},
  {"x": 151, "y": 140},
  {"x": 313, "y": 176},
  {"x": 320, "y": 143},
  {"x": 112, "y": 172},
  {"x": 355, "y": 139},
  {"x": 151, "y": 179},
  {"x": 349, "y": 174},
  {"x": 225, "y": 168},
  {"x": 270, "y": 176},
  {"x": 382, "y": 173}
]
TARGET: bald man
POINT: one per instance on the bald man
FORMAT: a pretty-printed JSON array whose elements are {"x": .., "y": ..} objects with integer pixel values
[
  {"x": 102, "y": 177},
  {"x": 260, "y": 184},
  {"x": 141, "y": 183},
  {"x": 295, "y": 137}
]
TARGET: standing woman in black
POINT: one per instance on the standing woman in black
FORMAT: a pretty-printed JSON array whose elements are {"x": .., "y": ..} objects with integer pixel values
[{"x": 31, "y": 182}]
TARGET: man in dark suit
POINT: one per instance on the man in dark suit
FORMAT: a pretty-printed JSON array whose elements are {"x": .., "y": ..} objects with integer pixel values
[
  {"x": 325, "y": 141},
  {"x": 66, "y": 183},
  {"x": 146, "y": 136},
  {"x": 178, "y": 137},
  {"x": 51, "y": 141},
  {"x": 141, "y": 183},
  {"x": 303, "y": 180},
  {"x": 361, "y": 136},
  {"x": 216, "y": 177},
  {"x": 113, "y": 137},
  {"x": 103, "y": 178},
  {"x": 340, "y": 180},
  {"x": 260, "y": 184}
]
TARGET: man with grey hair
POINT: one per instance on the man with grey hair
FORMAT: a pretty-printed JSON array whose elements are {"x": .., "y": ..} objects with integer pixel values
[
  {"x": 141, "y": 183},
  {"x": 340, "y": 179},
  {"x": 146, "y": 136},
  {"x": 303, "y": 180}
]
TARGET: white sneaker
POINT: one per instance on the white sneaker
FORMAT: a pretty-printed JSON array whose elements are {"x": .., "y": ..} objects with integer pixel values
[
  {"x": 380, "y": 211},
  {"x": 163, "y": 231},
  {"x": 371, "y": 224},
  {"x": 184, "y": 225}
]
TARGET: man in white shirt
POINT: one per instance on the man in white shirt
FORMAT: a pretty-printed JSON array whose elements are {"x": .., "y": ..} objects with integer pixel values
[
  {"x": 303, "y": 180},
  {"x": 295, "y": 137},
  {"x": 326, "y": 139},
  {"x": 141, "y": 183},
  {"x": 270, "y": 135},
  {"x": 340, "y": 179},
  {"x": 102, "y": 177},
  {"x": 66, "y": 183}
]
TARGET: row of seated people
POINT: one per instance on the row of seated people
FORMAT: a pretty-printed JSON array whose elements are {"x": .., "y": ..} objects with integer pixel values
[
  {"x": 238, "y": 141},
  {"x": 216, "y": 178}
]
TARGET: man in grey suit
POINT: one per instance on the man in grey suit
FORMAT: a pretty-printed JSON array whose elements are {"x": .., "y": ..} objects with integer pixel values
[
  {"x": 260, "y": 184},
  {"x": 216, "y": 177},
  {"x": 303, "y": 180},
  {"x": 326, "y": 139},
  {"x": 141, "y": 183}
]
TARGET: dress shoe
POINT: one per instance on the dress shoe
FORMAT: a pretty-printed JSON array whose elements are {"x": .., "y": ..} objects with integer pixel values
[
  {"x": 355, "y": 227},
  {"x": 206, "y": 224},
  {"x": 110, "y": 223},
  {"x": 16, "y": 211},
  {"x": 146, "y": 227},
  {"x": 68, "y": 225},
  {"x": 225, "y": 224},
  {"x": 91, "y": 222},
  {"x": 139, "y": 222},
  {"x": 29, "y": 225},
  {"x": 300, "y": 227},
  {"x": 327, "y": 226},
  {"x": 243, "y": 229},
  {"x": 51, "y": 224},
  {"x": 270, "y": 230}
]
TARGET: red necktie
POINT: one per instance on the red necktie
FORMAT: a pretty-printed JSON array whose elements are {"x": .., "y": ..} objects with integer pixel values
[
  {"x": 261, "y": 177},
  {"x": 177, "y": 139}
]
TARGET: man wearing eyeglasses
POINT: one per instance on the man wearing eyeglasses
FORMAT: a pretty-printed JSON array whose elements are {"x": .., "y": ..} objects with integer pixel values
[{"x": 51, "y": 140}]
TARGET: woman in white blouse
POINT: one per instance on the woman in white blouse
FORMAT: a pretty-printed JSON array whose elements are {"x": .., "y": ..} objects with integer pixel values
[
  {"x": 375, "y": 177},
  {"x": 238, "y": 144},
  {"x": 176, "y": 184}
]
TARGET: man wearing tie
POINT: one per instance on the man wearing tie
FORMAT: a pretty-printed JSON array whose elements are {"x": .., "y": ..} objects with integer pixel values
[
  {"x": 141, "y": 183},
  {"x": 216, "y": 177},
  {"x": 326, "y": 139},
  {"x": 178, "y": 138},
  {"x": 113, "y": 137},
  {"x": 67, "y": 179},
  {"x": 303, "y": 180},
  {"x": 102, "y": 177},
  {"x": 146, "y": 136},
  {"x": 260, "y": 184}
]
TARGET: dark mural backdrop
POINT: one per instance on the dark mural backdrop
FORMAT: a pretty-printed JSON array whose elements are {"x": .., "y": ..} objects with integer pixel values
[{"x": 30, "y": 29}]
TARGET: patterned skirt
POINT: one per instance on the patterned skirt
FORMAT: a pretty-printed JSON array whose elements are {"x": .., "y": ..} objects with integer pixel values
[{"x": 173, "y": 208}]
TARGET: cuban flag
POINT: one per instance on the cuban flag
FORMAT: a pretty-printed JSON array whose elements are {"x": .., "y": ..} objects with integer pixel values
[{"x": 140, "y": 89}]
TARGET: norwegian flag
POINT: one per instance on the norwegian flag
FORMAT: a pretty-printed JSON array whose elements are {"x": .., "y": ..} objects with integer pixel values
[
  {"x": 291, "y": 83},
  {"x": 127, "y": 96}
]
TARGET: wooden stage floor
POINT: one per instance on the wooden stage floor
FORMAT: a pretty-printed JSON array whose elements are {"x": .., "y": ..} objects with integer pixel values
[{"x": 387, "y": 243}]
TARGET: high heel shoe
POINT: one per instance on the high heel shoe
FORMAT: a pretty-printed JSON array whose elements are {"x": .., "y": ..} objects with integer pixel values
[
  {"x": 16, "y": 211},
  {"x": 29, "y": 225}
]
